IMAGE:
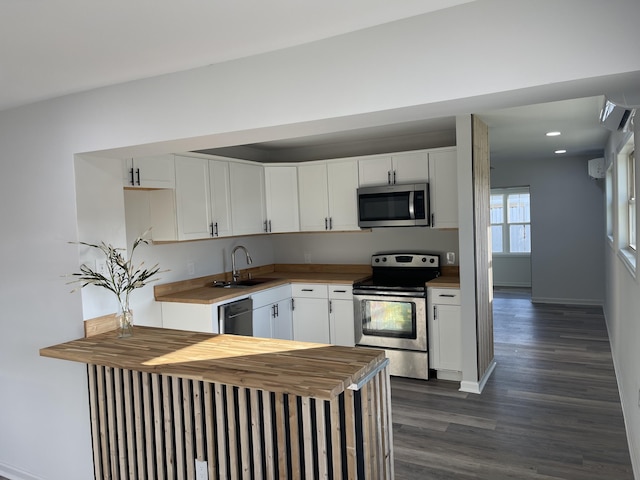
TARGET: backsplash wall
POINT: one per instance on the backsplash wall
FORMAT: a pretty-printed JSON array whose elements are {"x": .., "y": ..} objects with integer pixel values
[{"x": 357, "y": 247}]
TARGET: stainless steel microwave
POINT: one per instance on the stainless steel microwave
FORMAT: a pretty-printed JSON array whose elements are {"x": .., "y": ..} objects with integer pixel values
[{"x": 394, "y": 205}]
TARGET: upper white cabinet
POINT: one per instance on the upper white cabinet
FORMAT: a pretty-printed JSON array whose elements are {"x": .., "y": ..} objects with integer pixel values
[
  {"x": 247, "y": 198},
  {"x": 219, "y": 198},
  {"x": 281, "y": 190},
  {"x": 327, "y": 192},
  {"x": 149, "y": 172},
  {"x": 407, "y": 167},
  {"x": 192, "y": 198},
  {"x": 443, "y": 186},
  {"x": 203, "y": 198}
]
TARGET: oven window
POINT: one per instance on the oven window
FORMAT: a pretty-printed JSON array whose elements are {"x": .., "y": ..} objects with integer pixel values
[{"x": 389, "y": 319}]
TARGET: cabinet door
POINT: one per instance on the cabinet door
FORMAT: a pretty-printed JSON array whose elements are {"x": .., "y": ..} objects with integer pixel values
[
  {"x": 411, "y": 167},
  {"x": 192, "y": 198},
  {"x": 341, "y": 322},
  {"x": 311, "y": 320},
  {"x": 262, "y": 318},
  {"x": 448, "y": 339},
  {"x": 220, "y": 198},
  {"x": 314, "y": 200},
  {"x": 247, "y": 198},
  {"x": 282, "y": 327},
  {"x": 150, "y": 172},
  {"x": 443, "y": 184},
  {"x": 281, "y": 189},
  {"x": 343, "y": 198},
  {"x": 375, "y": 171}
]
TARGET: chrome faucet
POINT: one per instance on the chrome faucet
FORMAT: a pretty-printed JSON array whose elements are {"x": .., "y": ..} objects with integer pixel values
[{"x": 234, "y": 272}]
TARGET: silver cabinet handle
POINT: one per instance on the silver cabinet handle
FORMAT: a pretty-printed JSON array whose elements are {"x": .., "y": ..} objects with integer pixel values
[
  {"x": 138, "y": 174},
  {"x": 133, "y": 182},
  {"x": 435, "y": 312},
  {"x": 389, "y": 177},
  {"x": 447, "y": 295}
]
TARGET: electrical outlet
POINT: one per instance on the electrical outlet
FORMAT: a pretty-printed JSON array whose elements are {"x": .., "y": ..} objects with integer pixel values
[
  {"x": 101, "y": 267},
  {"x": 201, "y": 470},
  {"x": 191, "y": 268},
  {"x": 307, "y": 258},
  {"x": 451, "y": 258}
]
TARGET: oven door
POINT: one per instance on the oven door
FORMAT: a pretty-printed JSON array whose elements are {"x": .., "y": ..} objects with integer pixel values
[{"x": 391, "y": 321}]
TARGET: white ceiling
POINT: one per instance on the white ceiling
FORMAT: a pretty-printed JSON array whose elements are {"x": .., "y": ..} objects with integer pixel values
[{"x": 50, "y": 48}]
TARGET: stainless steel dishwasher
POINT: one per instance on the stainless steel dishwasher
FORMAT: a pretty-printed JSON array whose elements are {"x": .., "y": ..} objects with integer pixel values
[{"x": 236, "y": 318}]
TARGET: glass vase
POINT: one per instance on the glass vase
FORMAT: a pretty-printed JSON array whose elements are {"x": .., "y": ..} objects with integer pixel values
[{"x": 125, "y": 323}]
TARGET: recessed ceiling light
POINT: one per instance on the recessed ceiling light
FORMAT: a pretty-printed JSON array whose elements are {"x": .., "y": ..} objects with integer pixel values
[
  {"x": 560, "y": 151},
  {"x": 553, "y": 134}
]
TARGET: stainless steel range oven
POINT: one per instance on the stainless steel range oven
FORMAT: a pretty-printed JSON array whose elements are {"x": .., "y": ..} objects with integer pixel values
[{"x": 391, "y": 311}]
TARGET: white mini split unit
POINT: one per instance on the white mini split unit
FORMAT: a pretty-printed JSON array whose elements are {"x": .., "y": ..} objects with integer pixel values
[
  {"x": 617, "y": 113},
  {"x": 596, "y": 168}
]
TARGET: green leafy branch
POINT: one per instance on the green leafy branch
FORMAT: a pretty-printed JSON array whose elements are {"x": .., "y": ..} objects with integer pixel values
[{"x": 121, "y": 276}]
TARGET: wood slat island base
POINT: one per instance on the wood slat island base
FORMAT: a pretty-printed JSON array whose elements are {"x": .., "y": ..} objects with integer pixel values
[{"x": 174, "y": 404}]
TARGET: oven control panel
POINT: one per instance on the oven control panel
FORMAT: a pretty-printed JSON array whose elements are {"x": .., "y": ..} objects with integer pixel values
[{"x": 419, "y": 260}]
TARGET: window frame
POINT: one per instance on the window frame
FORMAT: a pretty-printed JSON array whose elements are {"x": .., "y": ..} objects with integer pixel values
[
  {"x": 506, "y": 235},
  {"x": 626, "y": 182}
]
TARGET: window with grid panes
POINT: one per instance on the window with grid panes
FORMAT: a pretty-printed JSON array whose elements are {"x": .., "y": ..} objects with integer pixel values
[{"x": 510, "y": 221}]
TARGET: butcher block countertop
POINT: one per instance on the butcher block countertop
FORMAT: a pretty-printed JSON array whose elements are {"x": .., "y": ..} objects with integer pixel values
[
  {"x": 444, "y": 281},
  {"x": 200, "y": 291},
  {"x": 298, "y": 368}
]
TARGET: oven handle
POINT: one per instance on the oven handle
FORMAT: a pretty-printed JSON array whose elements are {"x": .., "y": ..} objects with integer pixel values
[{"x": 387, "y": 293}]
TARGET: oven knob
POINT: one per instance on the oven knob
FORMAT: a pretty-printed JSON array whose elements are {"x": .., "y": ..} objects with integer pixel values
[
  {"x": 424, "y": 259},
  {"x": 377, "y": 260},
  {"x": 384, "y": 259},
  {"x": 432, "y": 260}
]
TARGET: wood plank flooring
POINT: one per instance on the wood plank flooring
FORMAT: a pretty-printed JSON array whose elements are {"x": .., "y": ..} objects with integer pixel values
[{"x": 551, "y": 409}]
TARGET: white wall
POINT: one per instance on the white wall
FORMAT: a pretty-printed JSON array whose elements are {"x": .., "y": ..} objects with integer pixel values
[
  {"x": 567, "y": 221},
  {"x": 398, "y": 72},
  {"x": 357, "y": 248},
  {"x": 622, "y": 311},
  {"x": 511, "y": 270}
]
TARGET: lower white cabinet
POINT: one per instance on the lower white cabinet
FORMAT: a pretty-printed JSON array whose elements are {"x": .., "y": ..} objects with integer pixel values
[
  {"x": 341, "y": 326},
  {"x": 310, "y": 313},
  {"x": 323, "y": 313},
  {"x": 445, "y": 333},
  {"x": 272, "y": 313}
]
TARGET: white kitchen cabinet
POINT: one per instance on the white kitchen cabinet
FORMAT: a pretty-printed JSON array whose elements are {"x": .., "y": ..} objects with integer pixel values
[
  {"x": 248, "y": 213},
  {"x": 192, "y": 198},
  {"x": 149, "y": 172},
  {"x": 341, "y": 322},
  {"x": 272, "y": 317},
  {"x": 409, "y": 167},
  {"x": 190, "y": 316},
  {"x": 219, "y": 199},
  {"x": 342, "y": 180},
  {"x": 327, "y": 193},
  {"x": 281, "y": 190},
  {"x": 311, "y": 313},
  {"x": 445, "y": 333},
  {"x": 443, "y": 186}
]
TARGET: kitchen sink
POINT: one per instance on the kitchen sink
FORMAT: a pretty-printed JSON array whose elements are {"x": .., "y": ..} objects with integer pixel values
[{"x": 241, "y": 284}]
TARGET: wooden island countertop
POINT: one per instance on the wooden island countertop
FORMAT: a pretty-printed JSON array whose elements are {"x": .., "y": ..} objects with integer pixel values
[{"x": 299, "y": 368}]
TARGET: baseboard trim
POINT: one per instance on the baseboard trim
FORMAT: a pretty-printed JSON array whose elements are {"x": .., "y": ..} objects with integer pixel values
[
  {"x": 477, "y": 387},
  {"x": 568, "y": 301},
  {"x": 512, "y": 284}
]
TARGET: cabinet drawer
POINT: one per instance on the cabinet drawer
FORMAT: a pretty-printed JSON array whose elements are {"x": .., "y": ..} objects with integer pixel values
[
  {"x": 271, "y": 296},
  {"x": 444, "y": 296},
  {"x": 341, "y": 292},
  {"x": 309, "y": 290}
]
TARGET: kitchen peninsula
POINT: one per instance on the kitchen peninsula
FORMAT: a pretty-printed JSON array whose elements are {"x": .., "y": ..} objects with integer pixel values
[{"x": 175, "y": 404}]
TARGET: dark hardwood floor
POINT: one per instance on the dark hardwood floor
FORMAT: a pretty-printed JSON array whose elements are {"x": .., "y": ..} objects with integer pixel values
[{"x": 551, "y": 409}]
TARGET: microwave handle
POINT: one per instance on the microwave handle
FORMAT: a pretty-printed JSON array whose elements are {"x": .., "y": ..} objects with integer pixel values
[{"x": 412, "y": 210}]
